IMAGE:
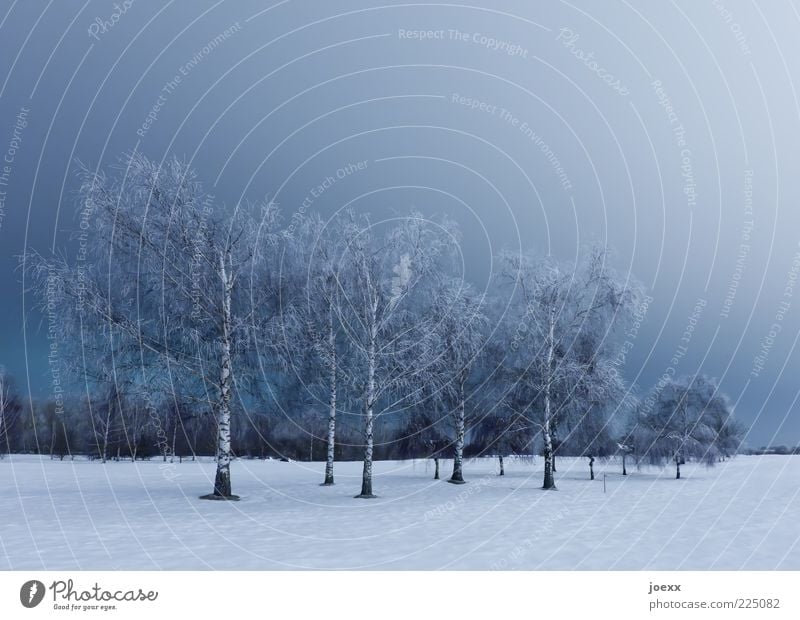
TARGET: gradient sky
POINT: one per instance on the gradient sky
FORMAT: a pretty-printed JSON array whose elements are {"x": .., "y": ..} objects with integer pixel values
[{"x": 667, "y": 130}]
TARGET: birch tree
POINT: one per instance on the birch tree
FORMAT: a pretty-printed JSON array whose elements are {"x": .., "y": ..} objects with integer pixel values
[
  {"x": 320, "y": 262},
  {"x": 460, "y": 332},
  {"x": 561, "y": 305},
  {"x": 157, "y": 276},
  {"x": 386, "y": 296}
]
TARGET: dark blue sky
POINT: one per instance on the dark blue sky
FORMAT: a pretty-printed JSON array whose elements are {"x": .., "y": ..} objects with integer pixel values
[{"x": 668, "y": 131}]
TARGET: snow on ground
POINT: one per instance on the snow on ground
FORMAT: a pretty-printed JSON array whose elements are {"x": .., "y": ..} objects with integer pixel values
[{"x": 742, "y": 514}]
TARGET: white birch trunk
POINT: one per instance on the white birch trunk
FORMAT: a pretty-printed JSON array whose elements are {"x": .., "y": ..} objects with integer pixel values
[
  {"x": 549, "y": 482},
  {"x": 222, "y": 481},
  {"x": 458, "y": 459},
  {"x": 332, "y": 411},
  {"x": 366, "y": 481}
]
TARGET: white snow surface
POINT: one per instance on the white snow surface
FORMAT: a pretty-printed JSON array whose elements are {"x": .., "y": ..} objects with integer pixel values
[{"x": 62, "y": 515}]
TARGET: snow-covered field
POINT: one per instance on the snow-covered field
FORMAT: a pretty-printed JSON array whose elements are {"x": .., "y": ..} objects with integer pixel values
[{"x": 743, "y": 514}]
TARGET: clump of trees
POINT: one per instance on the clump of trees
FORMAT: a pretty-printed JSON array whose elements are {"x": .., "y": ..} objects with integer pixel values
[
  {"x": 779, "y": 450},
  {"x": 686, "y": 418},
  {"x": 10, "y": 409},
  {"x": 198, "y": 328}
]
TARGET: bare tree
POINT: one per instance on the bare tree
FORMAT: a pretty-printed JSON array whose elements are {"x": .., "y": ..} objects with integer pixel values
[
  {"x": 423, "y": 434},
  {"x": 319, "y": 248},
  {"x": 563, "y": 307},
  {"x": 384, "y": 314},
  {"x": 107, "y": 421},
  {"x": 681, "y": 422},
  {"x": 596, "y": 404},
  {"x": 460, "y": 333},
  {"x": 10, "y": 408},
  {"x": 502, "y": 432},
  {"x": 157, "y": 280},
  {"x": 590, "y": 437}
]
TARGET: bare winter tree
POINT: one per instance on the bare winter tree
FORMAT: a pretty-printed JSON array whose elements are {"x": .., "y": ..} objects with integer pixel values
[
  {"x": 634, "y": 438},
  {"x": 682, "y": 422},
  {"x": 591, "y": 437},
  {"x": 157, "y": 277},
  {"x": 597, "y": 403},
  {"x": 395, "y": 265},
  {"x": 625, "y": 448},
  {"x": 106, "y": 421},
  {"x": 563, "y": 307},
  {"x": 460, "y": 333},
  {"x": 233, "y": 248},
  {"x": 496, "y": 428},
  {"x": 423, "y": 433},
  {"x": 319, "y": 248},
  {"x": 502, "y": 432},
  {"x": 10, "y": 409}
]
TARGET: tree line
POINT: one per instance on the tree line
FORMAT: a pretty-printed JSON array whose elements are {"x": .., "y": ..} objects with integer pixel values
[{"x": 186, "y": 327}]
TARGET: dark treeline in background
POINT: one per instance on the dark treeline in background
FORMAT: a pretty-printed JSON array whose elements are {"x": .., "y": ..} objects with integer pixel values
[
  {"x": 113, "y": 429},
  {"x": 181, "y": 327}
]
